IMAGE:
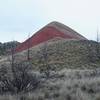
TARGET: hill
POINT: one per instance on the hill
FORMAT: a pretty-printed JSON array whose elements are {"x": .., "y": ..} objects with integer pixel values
[{"x": 50, "y": 31}]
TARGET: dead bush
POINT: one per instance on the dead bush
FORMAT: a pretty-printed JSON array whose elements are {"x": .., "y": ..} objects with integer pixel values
[{"x": 21, "y": 79}]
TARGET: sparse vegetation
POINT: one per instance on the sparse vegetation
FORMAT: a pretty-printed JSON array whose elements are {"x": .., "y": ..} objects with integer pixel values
[
  {"x": 68, "y": 53},
  {"x": 73, "y": 65},
  {"x": 44, "y": 60}
]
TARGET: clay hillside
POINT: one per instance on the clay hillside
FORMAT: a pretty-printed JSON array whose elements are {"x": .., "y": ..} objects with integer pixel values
[{"x": 51, "y": 31}]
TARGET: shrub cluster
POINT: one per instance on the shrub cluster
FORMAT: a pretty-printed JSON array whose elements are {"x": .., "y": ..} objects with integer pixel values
[{"x": 19, "y": 80}]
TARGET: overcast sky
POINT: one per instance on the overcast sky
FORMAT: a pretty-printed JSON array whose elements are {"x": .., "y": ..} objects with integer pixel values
[{"x": 20, "y": 17}]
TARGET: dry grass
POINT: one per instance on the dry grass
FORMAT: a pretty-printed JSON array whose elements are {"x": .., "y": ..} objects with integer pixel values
[
  {"x": 67, "y": 53},
  {"x": 66, "y": 84}
]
